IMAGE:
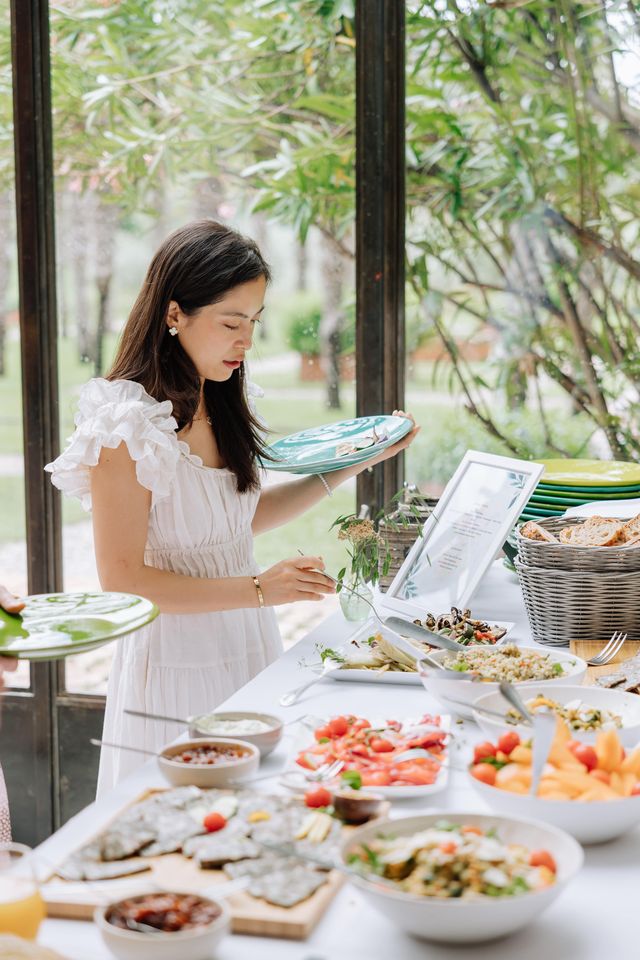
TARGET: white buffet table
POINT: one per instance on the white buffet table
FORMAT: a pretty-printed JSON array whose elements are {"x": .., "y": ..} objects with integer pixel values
[{"x": 594, "y": 919}]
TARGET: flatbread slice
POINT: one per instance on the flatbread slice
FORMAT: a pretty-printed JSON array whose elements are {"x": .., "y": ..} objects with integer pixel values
[{"x": 15, "y": 948}]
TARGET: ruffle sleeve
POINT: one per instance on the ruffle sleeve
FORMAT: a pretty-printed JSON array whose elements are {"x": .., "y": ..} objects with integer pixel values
[{"x": 110, "y": 412}]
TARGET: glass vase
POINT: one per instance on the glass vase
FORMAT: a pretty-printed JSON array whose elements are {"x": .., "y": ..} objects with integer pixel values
[{"x": 355, "y": 599}]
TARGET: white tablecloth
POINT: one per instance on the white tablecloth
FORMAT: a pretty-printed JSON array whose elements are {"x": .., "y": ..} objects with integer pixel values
[{"x": 594, "y": 919}]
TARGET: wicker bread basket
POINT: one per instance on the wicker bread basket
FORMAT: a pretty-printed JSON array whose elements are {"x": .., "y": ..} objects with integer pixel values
[
  {"x": 562, "y": 556},
  {"x": 564, "y": 605}
]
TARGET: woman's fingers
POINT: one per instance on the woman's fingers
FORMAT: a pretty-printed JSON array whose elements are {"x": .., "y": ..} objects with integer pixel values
[
  {"x": 325, "y": 584},
  {"x": 10, "y": 603},
  {"x": 309, "y": 563}
]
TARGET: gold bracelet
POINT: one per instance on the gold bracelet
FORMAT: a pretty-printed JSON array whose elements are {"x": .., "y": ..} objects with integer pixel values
[{"x": 259, "y": 591}]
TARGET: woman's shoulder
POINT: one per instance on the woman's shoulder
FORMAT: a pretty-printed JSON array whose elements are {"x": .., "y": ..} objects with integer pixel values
[
  {"x": 111, "y": 412},
  {"x": 100, "y": 392}
]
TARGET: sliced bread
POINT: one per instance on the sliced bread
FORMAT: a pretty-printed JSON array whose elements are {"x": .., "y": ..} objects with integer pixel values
[
  {"x": 533, "y": 531},
  {"x": 594, "y": 532},
  {"x": 631, "y": 529}
]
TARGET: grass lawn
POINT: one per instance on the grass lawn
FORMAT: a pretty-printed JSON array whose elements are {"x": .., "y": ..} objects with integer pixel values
[{"x": 288, "y": 405}]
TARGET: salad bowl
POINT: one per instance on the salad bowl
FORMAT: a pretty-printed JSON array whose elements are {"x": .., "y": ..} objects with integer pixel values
[
  {"x": 458, "y": 919},
  {"x": 458, "y": 694}
]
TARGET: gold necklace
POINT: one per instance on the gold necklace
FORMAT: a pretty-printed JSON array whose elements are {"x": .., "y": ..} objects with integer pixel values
[{"x": 208, "y": 419}]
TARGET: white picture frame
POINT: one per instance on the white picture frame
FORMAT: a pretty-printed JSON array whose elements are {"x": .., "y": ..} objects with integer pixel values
[{"x": 463, "y": 535}]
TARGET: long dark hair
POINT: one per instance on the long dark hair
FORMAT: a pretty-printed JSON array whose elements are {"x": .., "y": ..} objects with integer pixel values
[{"x": 195, "y": 266}]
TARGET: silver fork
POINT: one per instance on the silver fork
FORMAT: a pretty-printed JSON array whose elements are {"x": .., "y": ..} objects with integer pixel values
[
  {"x": 324, "y": 772},
  {"x": 609, "y": 651}
]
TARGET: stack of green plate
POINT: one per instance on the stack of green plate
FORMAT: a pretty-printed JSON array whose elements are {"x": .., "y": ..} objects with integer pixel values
[{"x": 570, "y": 483}]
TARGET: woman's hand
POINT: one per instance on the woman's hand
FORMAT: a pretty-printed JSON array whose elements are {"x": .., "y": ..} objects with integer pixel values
[
  {"x": 392, "y": 451},
  {"x": 297, "y": 579},
  {"x": 12, "y": 605}
]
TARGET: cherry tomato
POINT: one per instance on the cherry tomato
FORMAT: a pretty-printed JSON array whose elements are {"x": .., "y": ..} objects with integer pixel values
[
  {"x": 586, "y": 754},
  {"x": 378, "y": 745},
  {"x": 636, "y": 790},
  {"x": 214, "y": 821},
  {"x": 338, "y": 726},
  {"x": 322, "y": 733},
  {"x": 360, "y": 724},
  {"x": 317, "y": 797},
  {"x": 483, "y": 750},
  {"x": 508, "y": 742},
  {"x": 601, "y": 775},
  {"x": 485, "y": 773},
  {"x": 542, "y": 858}
]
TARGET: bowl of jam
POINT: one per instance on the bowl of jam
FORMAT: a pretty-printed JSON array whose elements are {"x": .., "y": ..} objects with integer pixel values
[
  {"x": 216, "y": 762},
  {"x": 165, "y": 925}
]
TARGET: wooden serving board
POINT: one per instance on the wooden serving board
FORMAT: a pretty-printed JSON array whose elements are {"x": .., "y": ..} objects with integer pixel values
[
  {"x": 172, "y": 871},
  {"x": 589, "y": 648}
]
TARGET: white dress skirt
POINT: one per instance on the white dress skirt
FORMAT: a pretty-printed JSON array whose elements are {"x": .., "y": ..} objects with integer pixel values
[{"x": 199, "y": 526}]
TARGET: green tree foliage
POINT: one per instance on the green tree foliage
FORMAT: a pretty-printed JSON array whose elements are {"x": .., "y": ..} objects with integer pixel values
[{"x": 523, "y": 134}]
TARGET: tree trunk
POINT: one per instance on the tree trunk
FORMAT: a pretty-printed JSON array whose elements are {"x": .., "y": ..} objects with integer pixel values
[
  {"x": 82, "y": 216},
  {"x": 6, "y": 246},
  {"x": 106, "y": 224},
  {"x": 332, "y": 318},
  {"x": 302, "y": 263},
  {"x": 261, "y": 234},
  {"x": 64, "y": 229}
]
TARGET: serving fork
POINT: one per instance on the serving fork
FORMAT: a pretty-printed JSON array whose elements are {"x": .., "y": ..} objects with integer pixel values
[{"x": 609, "y": 651}]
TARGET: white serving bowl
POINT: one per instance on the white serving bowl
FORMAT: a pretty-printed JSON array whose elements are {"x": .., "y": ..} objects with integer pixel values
[
  {"x": 466, "y": 692},
  {"x": 625, "y": 705},
  {"x": 197, "y": 944},
  {"x": 595, "y": 821},
  {"x": 222, "y": 774},
  {"x": 467, "y": 921},
  {"x": 266, "y": 741}
]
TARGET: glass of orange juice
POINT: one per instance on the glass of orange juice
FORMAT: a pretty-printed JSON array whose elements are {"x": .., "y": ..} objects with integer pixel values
[{"x": 21, "y": 906}]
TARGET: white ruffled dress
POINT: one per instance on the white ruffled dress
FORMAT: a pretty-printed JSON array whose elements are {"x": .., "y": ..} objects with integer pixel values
[{"x": 200, "y": 526}]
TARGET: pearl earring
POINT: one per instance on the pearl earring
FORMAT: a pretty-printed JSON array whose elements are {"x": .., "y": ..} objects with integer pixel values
[{"x": 173, "y": 331}]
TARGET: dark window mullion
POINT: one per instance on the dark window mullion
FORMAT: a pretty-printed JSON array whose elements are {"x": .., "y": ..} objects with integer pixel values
[
  {"x": 38, "y": 339},
  {"x": 380, "y": 233}
]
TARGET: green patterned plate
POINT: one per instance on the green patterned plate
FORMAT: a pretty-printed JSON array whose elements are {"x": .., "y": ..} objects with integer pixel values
[
  {"x": 319, "y": 449},
  {"x": 55, "y": 625}
]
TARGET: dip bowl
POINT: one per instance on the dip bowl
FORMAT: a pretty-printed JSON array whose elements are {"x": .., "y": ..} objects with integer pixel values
[
  {"x": 204, "y": 725},
  {"x": 179, "y": 773},
  {"x": 197, "y": 943}
]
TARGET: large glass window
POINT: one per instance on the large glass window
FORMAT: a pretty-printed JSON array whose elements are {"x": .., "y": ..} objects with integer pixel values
[
  {"x": 164, "y": 112},
  {"x": 523, "y": 135}
]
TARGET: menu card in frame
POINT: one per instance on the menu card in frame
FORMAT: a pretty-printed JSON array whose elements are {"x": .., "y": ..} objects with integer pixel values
[{"x": 463, "y": 535}]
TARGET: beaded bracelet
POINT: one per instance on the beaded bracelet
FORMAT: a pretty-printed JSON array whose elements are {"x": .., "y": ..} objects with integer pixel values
[
  {"x": 325, "y": 484},
  {"x": 259, "y": 591}
]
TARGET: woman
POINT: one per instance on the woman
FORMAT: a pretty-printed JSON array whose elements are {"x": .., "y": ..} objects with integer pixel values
[{"x": 166, "y": 453}]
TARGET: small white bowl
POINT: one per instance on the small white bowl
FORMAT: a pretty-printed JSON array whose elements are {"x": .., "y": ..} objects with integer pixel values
[
  {"x": 436, "y": 682},
  {"x": 625, "y": 705},
  {"x": 266, "y": 741},
  {"x": 222, "y": 774},
  {"x": 589, "y": 822},
  {"x": 197, "y": 944},
  {"x": 467, "y": 921}
]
